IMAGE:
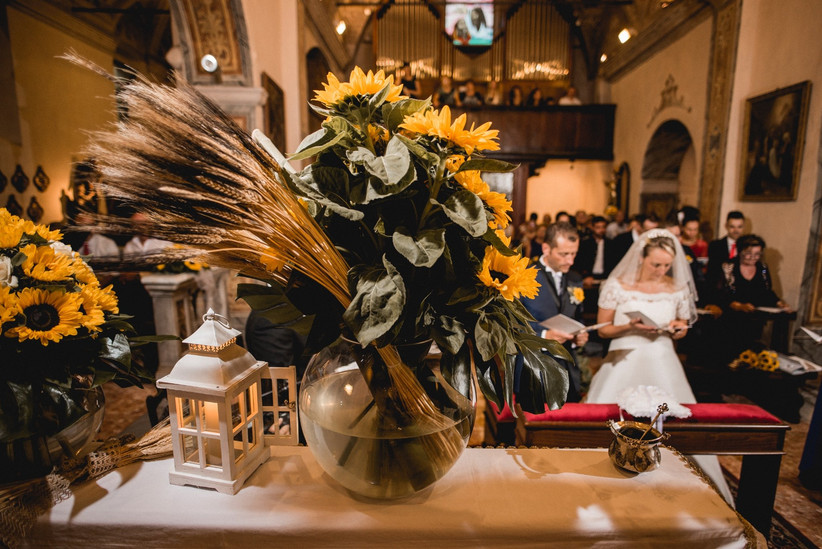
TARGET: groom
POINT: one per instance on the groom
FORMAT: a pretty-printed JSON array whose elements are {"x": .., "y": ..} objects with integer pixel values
[{"x": 560, "y": 293}]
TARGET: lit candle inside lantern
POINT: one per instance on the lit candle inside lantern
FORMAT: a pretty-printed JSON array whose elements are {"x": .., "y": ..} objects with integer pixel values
[{"x": 212, "y": 423}]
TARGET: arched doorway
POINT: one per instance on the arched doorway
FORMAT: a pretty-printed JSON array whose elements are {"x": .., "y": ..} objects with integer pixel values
[
  {"x": 669, "y": 177},
  {"x": 316, "y": 70}
]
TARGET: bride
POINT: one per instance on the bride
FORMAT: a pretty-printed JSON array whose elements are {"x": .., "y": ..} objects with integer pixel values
[
  {"x": 654, "y": 279},
  {"x": 642, "y": 354}
]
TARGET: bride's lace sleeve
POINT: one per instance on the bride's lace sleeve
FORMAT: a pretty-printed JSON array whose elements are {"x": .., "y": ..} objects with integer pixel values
[
  {"x": 609, "y": 295},
  {"x": 685, "y": 306}
]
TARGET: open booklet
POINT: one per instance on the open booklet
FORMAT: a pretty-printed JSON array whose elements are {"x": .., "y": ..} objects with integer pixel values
[
  {"x": 648, "y": 321},
  {"x": 562, "y": 323},
  {"x": 814, "y": 336}
]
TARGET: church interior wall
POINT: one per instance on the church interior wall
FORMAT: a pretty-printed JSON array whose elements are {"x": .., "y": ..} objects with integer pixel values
[
  {"x": 638, "y": 95},
  {"x": 57, "y": 104},
  {"x": 770, "y": 58},
  {"x": 273, "y": 42},
  {"x": 570, "y": 186}
]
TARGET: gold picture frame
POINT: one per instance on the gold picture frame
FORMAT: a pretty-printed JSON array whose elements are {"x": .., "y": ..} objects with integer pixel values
[{"x": 772, "y": 144}]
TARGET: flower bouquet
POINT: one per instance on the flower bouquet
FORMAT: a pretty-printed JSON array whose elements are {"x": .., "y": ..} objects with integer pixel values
[
  {"x": 61, "y": 335},
  {"x": 388, "y": 237}
]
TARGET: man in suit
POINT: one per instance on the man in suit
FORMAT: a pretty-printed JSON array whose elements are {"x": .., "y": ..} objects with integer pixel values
[
  {"x": 590, "y": 262},
  {"x": 622, "y": 243},
  {"x": 723, "y": 249},
  {"x": 560, "y": 293}
]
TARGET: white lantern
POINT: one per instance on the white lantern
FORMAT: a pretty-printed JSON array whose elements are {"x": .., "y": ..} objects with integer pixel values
[{"x": 215, "y": 408}]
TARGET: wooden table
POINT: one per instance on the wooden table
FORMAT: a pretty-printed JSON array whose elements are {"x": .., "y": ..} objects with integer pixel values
[{"x": 491, "y": 498}]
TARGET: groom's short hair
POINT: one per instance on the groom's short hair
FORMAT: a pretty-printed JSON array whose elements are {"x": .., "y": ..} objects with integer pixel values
[{"x": 561, "y": 228}]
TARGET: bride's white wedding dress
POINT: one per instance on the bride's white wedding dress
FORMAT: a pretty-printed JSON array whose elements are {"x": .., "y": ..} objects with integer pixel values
[{"x": 639, "y": 359}]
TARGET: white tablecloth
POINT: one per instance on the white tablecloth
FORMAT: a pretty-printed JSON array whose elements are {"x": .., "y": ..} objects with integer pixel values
[{"x": 492, "y": 498}]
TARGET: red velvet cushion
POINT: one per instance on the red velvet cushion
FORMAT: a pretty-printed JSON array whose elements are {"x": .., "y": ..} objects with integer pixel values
[
  {"x": 575, "y": 411},
  {"x": 728, "y": 413},
  {"x": 505, "y": 416}
]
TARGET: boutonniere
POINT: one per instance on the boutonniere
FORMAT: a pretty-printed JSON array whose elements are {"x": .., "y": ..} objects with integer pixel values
[{"x": 577, "y": 294}]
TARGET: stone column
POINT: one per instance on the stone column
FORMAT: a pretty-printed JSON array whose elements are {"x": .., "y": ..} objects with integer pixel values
[{"x": 173, "y": 298}]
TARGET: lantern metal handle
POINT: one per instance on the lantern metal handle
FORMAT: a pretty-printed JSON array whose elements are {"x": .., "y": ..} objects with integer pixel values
[{"x": 211, "y": 315}]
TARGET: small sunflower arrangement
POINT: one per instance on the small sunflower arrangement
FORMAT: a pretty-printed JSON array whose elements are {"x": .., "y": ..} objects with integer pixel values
[
  {"x": 60, "y": 331},
  {"x": 180, "y": 266},
  {"x": 765, "y": 360}
]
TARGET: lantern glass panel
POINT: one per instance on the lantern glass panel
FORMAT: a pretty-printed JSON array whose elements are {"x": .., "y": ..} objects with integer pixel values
[
  {"x": 212, "y": 451},
  {"x": 185, "y": 413},
  {"x": 191, "y": 449},
  {"x": 210, "y": 416},
  {"x": 237, "y": 413}
]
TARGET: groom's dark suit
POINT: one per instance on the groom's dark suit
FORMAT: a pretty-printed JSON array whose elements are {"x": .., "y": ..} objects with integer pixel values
[{"x": 548, "y": 304}]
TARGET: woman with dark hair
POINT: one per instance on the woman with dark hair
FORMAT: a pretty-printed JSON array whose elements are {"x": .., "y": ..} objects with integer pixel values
[
  {"x": 534, "y": 98},
  {"x": 745, "y": 284}
]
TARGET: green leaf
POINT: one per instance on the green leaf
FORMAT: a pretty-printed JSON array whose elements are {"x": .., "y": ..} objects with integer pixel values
[
  {"x": 418, "y": 150},
  {"x": 316, "y": 143},
  {"x": 378, "y": 98},
  {"x": 489, "y": 380},
  {"x": 491, "y": 237},
  {"x": 542, "y": 379},
  {"x": 466, "y": 210},
  {"x": 463, "y": 294},
  {"x": 455, "y": 368},
  {"x": 378, "y": 303},
  {"x": 391, "y": 173},
  {"x": 449, "y": 333},
  {"x": 519, "y": 311},
  {"x": 272, "y": 304},
  {"x": 394, "y": 113},
  {"x": 489, "y": 336},
  {"x": 488, "y": 165},
  {"x": 326, "y": 185},
  {"x": 116, "y": 349},
  {"x": 422, "y": 250}
]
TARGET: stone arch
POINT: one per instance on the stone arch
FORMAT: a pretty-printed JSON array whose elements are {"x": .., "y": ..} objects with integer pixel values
[
  {"x": 669, "y": 177},
  {"x": 316, "y": 71}
]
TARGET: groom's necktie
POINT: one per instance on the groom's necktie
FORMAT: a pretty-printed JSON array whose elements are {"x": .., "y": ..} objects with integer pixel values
[{"x": 558, "y": 282}]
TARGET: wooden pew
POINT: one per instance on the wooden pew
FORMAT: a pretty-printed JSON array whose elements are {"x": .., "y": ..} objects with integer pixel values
[{"x": 717, "y": 429}]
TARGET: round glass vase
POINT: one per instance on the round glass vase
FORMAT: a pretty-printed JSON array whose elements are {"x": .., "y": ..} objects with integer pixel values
[
  {"x": 379, "y": 436},
  {"x": 34, "y": 456}
]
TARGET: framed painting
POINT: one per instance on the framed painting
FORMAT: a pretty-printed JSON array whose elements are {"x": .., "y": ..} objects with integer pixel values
[{"x": 772, "y": 142}]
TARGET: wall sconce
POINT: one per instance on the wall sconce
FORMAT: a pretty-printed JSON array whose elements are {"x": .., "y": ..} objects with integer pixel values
[
  {"x": 341, "y": 27},
  {"x": 209, "y": 63},
  {"x": 215, "y": 409}
]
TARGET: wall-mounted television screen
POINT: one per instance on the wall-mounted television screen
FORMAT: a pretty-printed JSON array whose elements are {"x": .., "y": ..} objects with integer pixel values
[{"x": 470, "y": 23}]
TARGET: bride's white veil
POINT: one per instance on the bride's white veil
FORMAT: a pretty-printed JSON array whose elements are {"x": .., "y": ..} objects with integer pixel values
[{"x": 627, "y": 271}]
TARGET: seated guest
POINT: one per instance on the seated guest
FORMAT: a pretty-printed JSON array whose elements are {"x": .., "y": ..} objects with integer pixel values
[
  {"x": 537, "y": 241},
  {"x": 96, "y": 245},
  {"x": 745, "y": 284},
  {"x": 724, "y": 249},
  {"x": 410, "y": 86},
  {"x": 617, "y": 226},
  {"x": 534, "y": 98},
  {"x": 570, "y": 98},
  {"x": 142, "y": 243},
  {"x": 471, "y": 97},
  {"x": 563, "y": 217},
  {"x": 446, "y": 94},
  {"x": 556, "y": 296},
  {"x": 590, "y": 261},
  {"x": 493, "y": 95},
  {"x": 689, "y": 236},
  {"x": 620, "y": 245},
  {"x": 515, "y": 97}
]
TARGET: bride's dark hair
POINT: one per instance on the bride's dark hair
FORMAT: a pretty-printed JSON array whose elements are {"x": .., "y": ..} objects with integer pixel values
[{"x": 661, "y": 242}]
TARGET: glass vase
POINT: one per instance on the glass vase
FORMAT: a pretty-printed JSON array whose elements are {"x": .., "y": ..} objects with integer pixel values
[
  {"x": 35, "y": 455},
  {"x": 378, "y": 432}
]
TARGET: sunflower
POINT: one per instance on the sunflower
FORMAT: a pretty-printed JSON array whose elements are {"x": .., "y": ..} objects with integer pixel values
[
  {"x": 51, "y": 236},
  {"x": 12, "y": 229},
  {"x": 44, "y": 264},
  {"x": 106, "y": 299},
  {"x": 438, "y": 124},
  {"x": 93, "y": 315},
  {"x": 768, "y": 361},
  {"x": 497, "y": 202},
  {"x": 50, "y": 316},
  {"x": 510, "y": 275},
  {"x": 453, "y": 162},
  {"x": 8, "y": 304},
  {"x": 360, "y": 83},
  {"x": 83, "y": 273}
]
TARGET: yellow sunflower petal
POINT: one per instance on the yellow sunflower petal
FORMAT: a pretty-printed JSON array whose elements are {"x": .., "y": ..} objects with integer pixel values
[
  {"x": 516, "y": 278},
  {"x": 44, "y": 264},
  {"x": 50, "y": 316},
  {"x": 438, "y": 124},
  {"x": 359, "y": 83}
]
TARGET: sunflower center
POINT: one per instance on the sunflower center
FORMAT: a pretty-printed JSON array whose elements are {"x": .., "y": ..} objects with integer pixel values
[
  {"x": 498, "y": 275},
  {"x": 42, "y": 317}
]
